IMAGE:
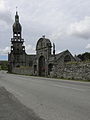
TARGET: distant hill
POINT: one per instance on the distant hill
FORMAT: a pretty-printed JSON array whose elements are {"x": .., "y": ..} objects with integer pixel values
[{"x": 3, "y": 65}]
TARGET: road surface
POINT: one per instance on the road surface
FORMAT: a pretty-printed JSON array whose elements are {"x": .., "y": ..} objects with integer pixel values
[
  {"x": 51, "y": 99},
  {"x": 12, "y": 109}
]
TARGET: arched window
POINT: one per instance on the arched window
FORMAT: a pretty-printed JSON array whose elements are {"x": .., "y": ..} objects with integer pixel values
[
  {"x": 67, "y": 58},
  {"x": 50, "y": 66},
  {"x": 35, "y": 68}
]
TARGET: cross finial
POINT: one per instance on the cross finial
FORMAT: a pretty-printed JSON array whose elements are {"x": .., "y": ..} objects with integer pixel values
[
  {"x": 16, "y": 8},
  {"x": 43, "y": 36}
]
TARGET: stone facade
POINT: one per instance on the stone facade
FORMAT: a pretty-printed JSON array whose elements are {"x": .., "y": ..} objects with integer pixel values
[
  {"x": 74, "y": 70},
  {"x": 44, "y": 63}
]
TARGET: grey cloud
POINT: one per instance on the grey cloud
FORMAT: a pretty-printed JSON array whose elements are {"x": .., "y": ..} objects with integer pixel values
[
  {"x": 6, "y": 17},
  {"x": 88, "y": 46},
  {"x": 52, "y": 18},
  {"x": 80, "y": 29},
  {"x": 4, "y": 51}
]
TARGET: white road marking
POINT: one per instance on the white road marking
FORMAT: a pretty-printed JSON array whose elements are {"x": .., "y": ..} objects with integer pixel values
[{"x": 69, "y": 87}]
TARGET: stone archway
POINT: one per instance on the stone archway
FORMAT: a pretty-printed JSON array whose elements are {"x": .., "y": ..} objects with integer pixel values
[{"x": 42, "y": 66}]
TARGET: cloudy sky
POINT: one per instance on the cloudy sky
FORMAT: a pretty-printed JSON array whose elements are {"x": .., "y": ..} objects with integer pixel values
[{"x": 64, "y": 22}]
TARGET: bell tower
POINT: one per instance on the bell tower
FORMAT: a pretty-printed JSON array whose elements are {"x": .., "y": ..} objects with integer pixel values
[
  {"x": 17, "y": 41},
  {"x": 17, "y": 28},
  {"x": 17, "y": 56}
]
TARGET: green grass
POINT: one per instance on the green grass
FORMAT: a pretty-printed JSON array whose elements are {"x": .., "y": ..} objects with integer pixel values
[{"x": 74, "y": 62}]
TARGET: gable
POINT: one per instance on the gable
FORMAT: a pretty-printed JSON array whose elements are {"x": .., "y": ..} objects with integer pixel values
[{"x": 65, "y": 56}]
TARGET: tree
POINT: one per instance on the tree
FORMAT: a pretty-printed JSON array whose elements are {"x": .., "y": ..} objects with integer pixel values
[{"x": 85, "y": 56}]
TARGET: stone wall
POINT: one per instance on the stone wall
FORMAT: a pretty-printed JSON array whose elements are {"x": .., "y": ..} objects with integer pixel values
[
  {"x": 23, "y": 70},
  {"x": 75, "y": 70}
]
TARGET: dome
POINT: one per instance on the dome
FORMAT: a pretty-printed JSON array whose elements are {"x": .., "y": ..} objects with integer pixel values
[
  {"x": 17, "y": 28},
  {"x": 43, "y": 43}
]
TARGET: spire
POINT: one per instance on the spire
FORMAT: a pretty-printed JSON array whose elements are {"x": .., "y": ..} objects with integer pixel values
[
  {"x": 17, "y": 28},
  {"x": 16, "y": 16}
]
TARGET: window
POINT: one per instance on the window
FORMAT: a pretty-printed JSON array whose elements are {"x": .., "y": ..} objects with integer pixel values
[{"x": 67, "y": 58}]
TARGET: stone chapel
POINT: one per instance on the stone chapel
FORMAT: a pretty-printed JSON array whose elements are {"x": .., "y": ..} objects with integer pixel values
[{"x": 43, "y": 63}]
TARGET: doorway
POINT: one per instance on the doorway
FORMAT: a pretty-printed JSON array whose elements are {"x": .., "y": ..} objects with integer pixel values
[{"x": 42, "y": 66}]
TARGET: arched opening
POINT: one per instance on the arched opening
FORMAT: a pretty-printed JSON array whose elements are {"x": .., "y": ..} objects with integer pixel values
[
  {"x": 35, "y": 69},
  {"x": 50, "y": 66},
  {"x": 42, "y": 66},
  {"x": 67, "y": 58}
]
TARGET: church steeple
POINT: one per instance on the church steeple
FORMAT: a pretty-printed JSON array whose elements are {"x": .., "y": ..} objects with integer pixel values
[
  {"x": 17, "y": 56},
  {"x": 17, "y": 41},
  {"x": 17, "y": 28}
]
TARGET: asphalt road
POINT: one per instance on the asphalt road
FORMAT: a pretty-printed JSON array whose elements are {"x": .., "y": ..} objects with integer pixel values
[
  {"x": 12, "y": 109},
  {"x": 51, "y": 99}
]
